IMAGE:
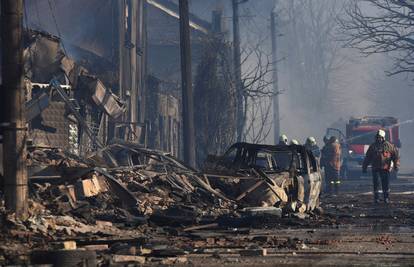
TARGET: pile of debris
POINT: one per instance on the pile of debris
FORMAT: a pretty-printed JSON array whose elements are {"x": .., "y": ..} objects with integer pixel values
[
  {"x": 68, "y": 184},
  {"x": 71, "y": 199},
  {"x": 125, "y": 193}
]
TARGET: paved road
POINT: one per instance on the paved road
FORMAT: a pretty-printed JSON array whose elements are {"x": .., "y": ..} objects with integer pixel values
[{"x": 352, "y": 232}]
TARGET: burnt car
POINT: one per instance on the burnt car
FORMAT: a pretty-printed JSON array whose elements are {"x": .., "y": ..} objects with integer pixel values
[{"x": 268, "y": 175}]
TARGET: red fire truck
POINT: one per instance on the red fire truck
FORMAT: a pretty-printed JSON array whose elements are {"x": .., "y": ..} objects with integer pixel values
[{"x": 360, "y": 133}]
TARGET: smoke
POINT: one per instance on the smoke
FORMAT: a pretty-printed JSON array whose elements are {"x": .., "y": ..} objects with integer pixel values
[
  {"x": 392, "y": 96},
  {"x": 321, "y": 82},
  {"x": 356, "y": 85},
  {"x": 87, "y": 24}
]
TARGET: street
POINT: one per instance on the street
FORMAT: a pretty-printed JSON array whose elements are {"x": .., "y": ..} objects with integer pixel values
[{"x": 352, "y": 232}]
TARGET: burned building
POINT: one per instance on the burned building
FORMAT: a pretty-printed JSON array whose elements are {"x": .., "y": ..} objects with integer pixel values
[
  {"x": 123, "y": 48},
  {"x": 102, "y": 63},
  {"x": 164, "y": 122},
  {"x": 211, "y": 71},
  {"x": 66, "y": 105},
  {"x": 164, "y": 82}
]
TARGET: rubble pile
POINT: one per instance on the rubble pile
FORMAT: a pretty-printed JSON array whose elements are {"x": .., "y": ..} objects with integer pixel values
[
  {"x": 125, "y": 195},
  {"x": 161, "y": 190},
  {"x": 70, "y": 185},
  {"x": 73, "y": 199}
]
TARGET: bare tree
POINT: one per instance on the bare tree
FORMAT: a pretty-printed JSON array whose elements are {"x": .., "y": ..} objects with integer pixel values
[
  {"x": 386, "y": 29},
  {"x": 214, "y": 96},
  {"x": 257, "y": 81},
  {"x": 311, "y": 50},
  {"x": 259, "y": 124}
]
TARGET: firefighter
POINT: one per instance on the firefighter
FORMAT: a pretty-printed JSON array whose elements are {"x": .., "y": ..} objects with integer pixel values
[
  {"x": 294, "y": 142},
  {"x": 331, "y": 161},
  {"x": 382, "y": 156},
  {"x": 311, "y": 145},
  {"x": 283, "y": 140},
  {"x": 283, "y": 159}
]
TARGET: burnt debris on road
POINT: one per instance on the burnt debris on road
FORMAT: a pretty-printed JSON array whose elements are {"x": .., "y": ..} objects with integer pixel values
[{"x": 152, "y": 209}]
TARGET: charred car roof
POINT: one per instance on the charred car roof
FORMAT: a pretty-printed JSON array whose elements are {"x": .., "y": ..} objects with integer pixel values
[{"x": 250, "y": 146}]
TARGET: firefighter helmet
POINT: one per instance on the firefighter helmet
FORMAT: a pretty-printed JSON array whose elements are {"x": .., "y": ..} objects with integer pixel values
[
  {"x": 294, "y": 142},
  {"x": 381, "y": 133},
  {"x": 311, "y": 141},
  {"x": 283, "y": 139}
]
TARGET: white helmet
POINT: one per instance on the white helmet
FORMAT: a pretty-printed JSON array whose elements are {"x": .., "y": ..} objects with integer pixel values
[
  {"x": 283, "y": 139},
  {"x": 381, "y": 133},
  {"x": 311, "y": 140},
  {"x": 294, "y": 142}
]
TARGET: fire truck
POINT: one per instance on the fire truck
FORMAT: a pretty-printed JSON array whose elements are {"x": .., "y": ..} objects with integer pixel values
[{"x": 360, "y": 133}]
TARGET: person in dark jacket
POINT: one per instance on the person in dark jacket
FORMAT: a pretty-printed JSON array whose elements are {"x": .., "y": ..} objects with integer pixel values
[
  {"x": 383, "y": 157},
  {"x": 331, "y": 161}
]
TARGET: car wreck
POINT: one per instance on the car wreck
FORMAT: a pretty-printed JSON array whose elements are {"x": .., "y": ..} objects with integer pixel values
[
  {"x": 250, "y": 175},
  {"x": 282, "y": 176}
]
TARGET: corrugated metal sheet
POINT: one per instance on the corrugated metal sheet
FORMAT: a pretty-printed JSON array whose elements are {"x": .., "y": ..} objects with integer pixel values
[{"x": 53, "y": 129}]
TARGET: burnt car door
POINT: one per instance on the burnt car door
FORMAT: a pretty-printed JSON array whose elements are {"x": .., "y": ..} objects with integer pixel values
[
  {"x": 314, "y": 182},
  {"x": 309, "y": 181}
]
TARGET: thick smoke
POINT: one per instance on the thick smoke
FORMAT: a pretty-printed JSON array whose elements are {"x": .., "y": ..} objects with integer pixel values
[
  {"x": 357, "y": 85},
  {"x": 311, "y": 100}
]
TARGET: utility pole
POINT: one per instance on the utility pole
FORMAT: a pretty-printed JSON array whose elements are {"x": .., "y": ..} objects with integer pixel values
[
  {"x": 141, "y": 68},
  {"x": 186, "y": 84},
  {"x": 122, "y": 62},
  {"x": 237, "y": 69},
  {"x": 13, "y": 102},
  {"x": 131, "y": 84},
  {"x": 276, "y": 111},
  {"x": 133, "y": 28}
]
